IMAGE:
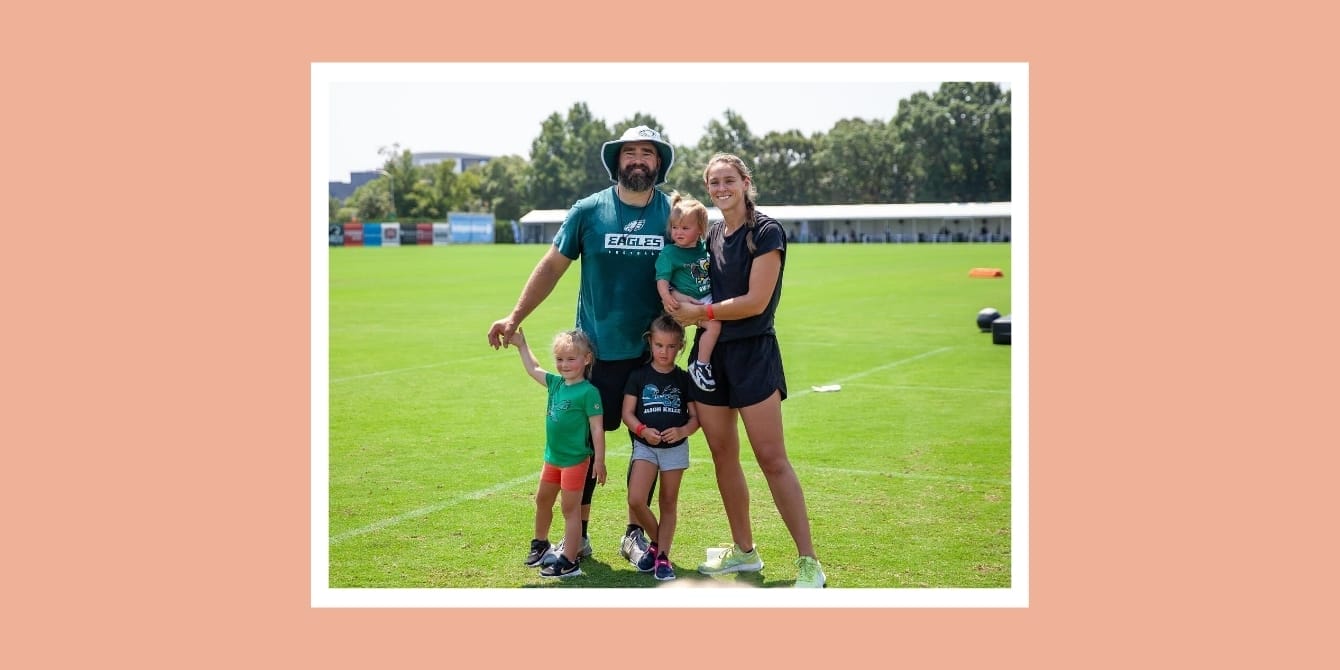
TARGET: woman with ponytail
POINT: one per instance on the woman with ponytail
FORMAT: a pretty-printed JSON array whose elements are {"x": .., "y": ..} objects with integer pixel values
[{"x": 748, "y": 255}]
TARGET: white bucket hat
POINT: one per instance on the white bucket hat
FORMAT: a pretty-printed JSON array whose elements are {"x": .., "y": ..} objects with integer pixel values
[{"x": 609, "y": 151}]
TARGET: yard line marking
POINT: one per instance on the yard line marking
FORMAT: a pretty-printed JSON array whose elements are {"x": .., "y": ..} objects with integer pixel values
[
  {"x": 801, "y": 468},
  {"x": 424, "y": 511},
  {"x": 399, "y": 370},
  {"x": 875, "y": 369},
  {"x": 476, "y": 495},
  {"x": 904, "y": 475}
]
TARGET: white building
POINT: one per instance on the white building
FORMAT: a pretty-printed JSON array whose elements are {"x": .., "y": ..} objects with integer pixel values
[{"x": 906, "y": 222}]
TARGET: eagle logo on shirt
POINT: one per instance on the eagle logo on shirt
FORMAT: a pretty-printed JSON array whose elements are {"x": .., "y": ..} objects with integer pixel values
[{"x": 654, "y": 397}]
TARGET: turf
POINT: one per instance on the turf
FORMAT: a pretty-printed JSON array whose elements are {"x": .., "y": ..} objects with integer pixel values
[{"x": 435, "y": 439}]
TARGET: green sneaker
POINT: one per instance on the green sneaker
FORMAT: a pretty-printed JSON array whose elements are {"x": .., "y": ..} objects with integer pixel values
[
  {"x": 809, "y": 574},
  {"x": 731, "y": 560}
]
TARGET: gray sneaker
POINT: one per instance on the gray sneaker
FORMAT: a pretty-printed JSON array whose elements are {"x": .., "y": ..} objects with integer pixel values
[
  {"x": 633, "y": 546},
  {"x": 551, "y": 556}
]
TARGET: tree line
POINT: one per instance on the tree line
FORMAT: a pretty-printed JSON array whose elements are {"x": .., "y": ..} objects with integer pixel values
[{"x": 952, "y": 145}]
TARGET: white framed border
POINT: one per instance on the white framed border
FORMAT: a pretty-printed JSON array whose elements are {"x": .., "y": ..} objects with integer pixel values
[{"x": 685, "y": 593}]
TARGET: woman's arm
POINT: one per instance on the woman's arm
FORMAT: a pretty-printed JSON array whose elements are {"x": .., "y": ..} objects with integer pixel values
[{"x": 763, "y": 277}]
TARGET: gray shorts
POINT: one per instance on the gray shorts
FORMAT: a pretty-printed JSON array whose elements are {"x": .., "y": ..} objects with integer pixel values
[{"x": 669, "y": 458}]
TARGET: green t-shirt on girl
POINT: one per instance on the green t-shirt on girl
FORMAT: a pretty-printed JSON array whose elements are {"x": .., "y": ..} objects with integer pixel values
[{"x": 568, "y": 420}]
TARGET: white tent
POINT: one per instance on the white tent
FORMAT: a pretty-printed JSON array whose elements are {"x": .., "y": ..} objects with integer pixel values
[{"x": 904, "y": 222}]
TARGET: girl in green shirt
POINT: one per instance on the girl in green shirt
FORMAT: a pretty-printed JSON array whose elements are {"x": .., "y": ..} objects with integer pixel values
[{"x": 574, "y": 414}]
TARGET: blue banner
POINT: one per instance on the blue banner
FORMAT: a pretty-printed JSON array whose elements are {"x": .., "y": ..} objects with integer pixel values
[{"x": 471, "y": 228}]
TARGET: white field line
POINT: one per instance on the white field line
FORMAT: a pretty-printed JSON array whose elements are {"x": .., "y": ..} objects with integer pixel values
[
  {"x": 424, "y": 511},
  {"x": 704, "y": 462},
  {"x": 903, "y": 475},
  {"x": 399, "y": 370},
  {"x": 700, "y": 462},
  {"x": 871, "y": 371}
]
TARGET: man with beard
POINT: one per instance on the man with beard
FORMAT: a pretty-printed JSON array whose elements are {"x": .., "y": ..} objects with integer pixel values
[{"x": 617, "y": 233}]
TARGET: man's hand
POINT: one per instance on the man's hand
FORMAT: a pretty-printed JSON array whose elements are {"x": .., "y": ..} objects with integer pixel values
[{"x": 500, "y": 333}]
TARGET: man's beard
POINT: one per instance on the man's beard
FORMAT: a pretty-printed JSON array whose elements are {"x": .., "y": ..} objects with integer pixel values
[{"x": 635, "y": 181}]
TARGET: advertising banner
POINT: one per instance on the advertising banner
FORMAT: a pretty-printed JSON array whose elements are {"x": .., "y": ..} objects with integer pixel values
[
  {"x": 471, "y": 228},
  {"x": 372, "y": 234},
  {"x": 441, "y": 233},
  {"x": 425, "y": 231},
  {"x": 353, "y": 234},
  {"x": 336, "y": 232},
  {"x": 390, "y": 234}
]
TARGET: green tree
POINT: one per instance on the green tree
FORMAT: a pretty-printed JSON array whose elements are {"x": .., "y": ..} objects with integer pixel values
[
  {"x": 586, "y": 134},
  {"x": 565, "y": 158},
  {"x": 372, "y": 201},
  {"x": 784, "y": 169},
  {"x": 857, "y": 162},
  {"x": 504, "y": 187},
  {"x": 958, "y": 142},
  {"x": 731, "y": 136},
  {"x": 430, "y": 195},
  {"x": 551, "y": 185},
  {"x": 687, "y": 174},
  {"x": 465, "y": 192},
  {"x": 401, "y": 173}
]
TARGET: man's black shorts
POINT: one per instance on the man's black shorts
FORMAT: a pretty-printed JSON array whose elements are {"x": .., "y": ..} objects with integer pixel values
[{"x": 609, "y": 378}]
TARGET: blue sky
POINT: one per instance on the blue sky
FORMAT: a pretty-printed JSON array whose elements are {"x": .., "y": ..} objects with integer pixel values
[{"x": 497, "y": 108}]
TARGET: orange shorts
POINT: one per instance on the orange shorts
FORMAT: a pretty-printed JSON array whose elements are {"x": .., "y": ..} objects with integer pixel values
[{"x": 571, "y": 478}]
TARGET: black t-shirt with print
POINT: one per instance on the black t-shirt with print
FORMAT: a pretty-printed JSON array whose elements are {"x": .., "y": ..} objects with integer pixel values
[
  {"x": 662, "y": 398},
  {"x": 730, "y": 273}
]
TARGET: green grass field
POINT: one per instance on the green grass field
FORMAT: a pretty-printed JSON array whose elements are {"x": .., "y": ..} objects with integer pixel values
[{"x": 436, "y": 439}]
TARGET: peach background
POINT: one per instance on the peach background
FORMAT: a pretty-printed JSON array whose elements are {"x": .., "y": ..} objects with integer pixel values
[{"x": 157, "y": 435}]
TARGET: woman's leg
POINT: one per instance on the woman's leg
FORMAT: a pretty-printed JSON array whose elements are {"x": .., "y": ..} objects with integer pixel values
[
  {"x": 763, "y": 425},
  {"x": 723, "y": 440}
]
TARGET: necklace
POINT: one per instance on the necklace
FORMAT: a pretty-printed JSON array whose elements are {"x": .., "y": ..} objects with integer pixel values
[{"x": 641, "y": 212}]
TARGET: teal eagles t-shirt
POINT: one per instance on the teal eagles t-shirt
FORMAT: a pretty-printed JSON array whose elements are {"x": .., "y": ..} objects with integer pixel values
[
  {"x": 618, "y": 246},
  {"x": 568, "y": 420},
  {"x": 685, "y": 269}
]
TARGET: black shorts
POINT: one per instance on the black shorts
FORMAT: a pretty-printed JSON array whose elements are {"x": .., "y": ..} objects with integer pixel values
[
  {"x": 746, "y": 371},
  {"x": 609, "y": 377}
]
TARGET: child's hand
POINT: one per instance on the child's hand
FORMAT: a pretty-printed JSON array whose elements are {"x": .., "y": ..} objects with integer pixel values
[
  {"x": 651, "y": 436},
  {"x": 518, "y": 338},
  {"x": 600, "y": 472},
  {"x": 670, "y": 435}
]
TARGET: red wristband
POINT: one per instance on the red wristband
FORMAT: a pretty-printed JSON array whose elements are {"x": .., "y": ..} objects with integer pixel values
[
  {"x": 640, "y": 427},
  {"x": 710, "y": 316}
]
